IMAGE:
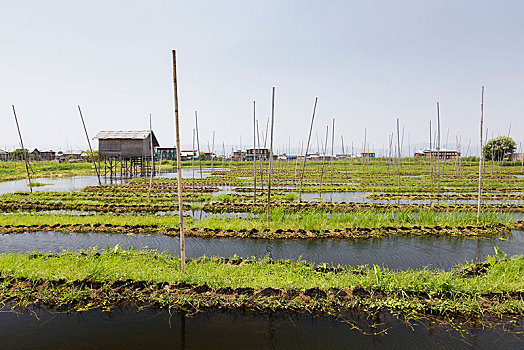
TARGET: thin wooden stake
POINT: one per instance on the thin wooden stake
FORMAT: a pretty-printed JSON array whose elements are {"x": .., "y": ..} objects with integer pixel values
[
  {"x": 307, "y": 149},
  {"x": 152, "y": 162},
  {"x": 332, "y": 149},
  {"x": 193, "y": 165},
  {"x": 481, "y": 152},
  {"x": 254, "y": 155},
  {"x": 179, "y": 172},
  {"x": 431, "y": 156},
  {"x": 270, "y": 156},
  {"x": 90, "y": 149},
  {"x": 438, "y": 153},
  {"x": 398, "y": 154},
  {"x": 199, "y": 155},
  {"x": 324, "y": 148},
  {"x": 23, "y": 151}
]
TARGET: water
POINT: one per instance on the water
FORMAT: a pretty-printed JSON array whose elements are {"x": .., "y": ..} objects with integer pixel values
[
  {"x": 394, "y": 252},
  {"x": 360, "y": 197},
  {"x": 158, "y": 329},
  {"x": 61, "y": 184}
]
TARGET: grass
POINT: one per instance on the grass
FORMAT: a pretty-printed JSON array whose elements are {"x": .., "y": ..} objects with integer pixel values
[
  {"x": 167, "y": 221},
  {"x": 411, "y": 291},
  {"x": 280, "y": 219},
  {"x": 324, "y": 220}
]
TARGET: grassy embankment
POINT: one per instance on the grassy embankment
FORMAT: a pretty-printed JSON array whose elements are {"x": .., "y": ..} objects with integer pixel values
[
  {"x": 105, "y": 279},
  {"x": 304, "y": 224}
]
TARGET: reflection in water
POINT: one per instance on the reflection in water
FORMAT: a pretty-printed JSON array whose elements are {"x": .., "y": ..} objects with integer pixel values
[
  {"x": 395, "y": 252},
  {"x": 154, "y": 329}
]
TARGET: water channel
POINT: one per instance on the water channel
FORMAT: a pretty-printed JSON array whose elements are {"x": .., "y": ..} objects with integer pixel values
[
  {"x": 156, "y": 329},
  {"x": 394, "y": 252}
]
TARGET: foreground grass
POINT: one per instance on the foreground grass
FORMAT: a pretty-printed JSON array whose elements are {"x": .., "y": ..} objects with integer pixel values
[{"x": 94, "y": 279}]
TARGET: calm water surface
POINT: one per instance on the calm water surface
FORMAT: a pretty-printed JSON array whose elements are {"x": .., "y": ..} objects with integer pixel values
[
  {"x": 394, "y": 252},
  {"x": 157, "y": 329}
]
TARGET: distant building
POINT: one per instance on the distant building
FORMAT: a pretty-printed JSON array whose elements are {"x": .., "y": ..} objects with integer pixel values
[
  {"x": 48, "y": 155},
  {"x": 128, "y": 149},
  {"x": 125, "y": 144},
  {"x": 188, "y": 154},
  {"x": 261, "y": 154},
  {"x": 35, "y": 154},
  {"x": 516, "y": 156},
  {"x": 208, "y": 155},
  {"x": 443, "y": 154},
  {"x": 4, "y": 156},
  {"x": 165, "y": 153}
]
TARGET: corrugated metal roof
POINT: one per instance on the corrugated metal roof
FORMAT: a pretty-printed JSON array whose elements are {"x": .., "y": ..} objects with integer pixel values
[{"x": 123, "y": 134}]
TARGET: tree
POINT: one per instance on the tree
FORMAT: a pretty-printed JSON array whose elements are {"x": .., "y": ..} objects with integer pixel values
[{"x": 498, "y": 148}]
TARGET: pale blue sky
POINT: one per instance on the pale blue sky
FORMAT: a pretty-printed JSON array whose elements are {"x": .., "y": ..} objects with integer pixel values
[{"x": 367, "y": 61}]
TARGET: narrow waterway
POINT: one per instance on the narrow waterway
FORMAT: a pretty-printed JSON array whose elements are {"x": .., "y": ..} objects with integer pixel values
[{"x": 394, "y": 252}]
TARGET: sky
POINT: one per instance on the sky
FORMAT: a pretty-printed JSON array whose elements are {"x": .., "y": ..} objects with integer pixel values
[{"x": 368, "y": 62}]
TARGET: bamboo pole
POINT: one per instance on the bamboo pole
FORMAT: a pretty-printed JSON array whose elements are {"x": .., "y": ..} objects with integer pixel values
[
  {"x": 323, "y": 160},
  {"x": 457, "y": 156},
  {"x": 179, "y": 171},
  {"x": 152, "y": 162},
  {"x": 431, "y": 155},
  {"x": 332, "y": 149},
  {"x": 300, "y": 145},
  {"x": 89, "y": 143},
  {"x": 260, "y": 164},
  {"x": 270, "y": 156},
  {"x": 438, "y": 153},
  {"x": 23, "y": 151},
  {"x": 254, "y": 155},
  {"x": 213, "y": 152},
  {"x": 364, "y": 150},
  {"x": 481, "y": 153},
  {"x": 193, "y": 165},
  {"x": 344, "y": 155},
  {"x": 521, "y": 158},
  {"x": 307, "y": 148},
  {"x": 199, "y": 155},
  {"x": 398, "y": 155}
]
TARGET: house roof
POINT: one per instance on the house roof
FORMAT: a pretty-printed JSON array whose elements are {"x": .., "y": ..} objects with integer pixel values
[{"x": 126, "y": 135}]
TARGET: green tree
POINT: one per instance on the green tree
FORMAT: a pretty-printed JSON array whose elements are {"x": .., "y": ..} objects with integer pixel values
[{"x": 498, "y": 148}]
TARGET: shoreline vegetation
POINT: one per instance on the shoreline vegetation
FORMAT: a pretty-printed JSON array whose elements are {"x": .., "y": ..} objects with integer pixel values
[
  {"x": 306, "y": 224},
  {"x": 110, "y": 277}
]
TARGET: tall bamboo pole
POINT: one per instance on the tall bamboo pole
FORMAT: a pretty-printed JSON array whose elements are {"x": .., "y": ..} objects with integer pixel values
[
  {"x": 481, "y": 153},
  {"x": 254, "y": 155},
  {"x": 213, "y": 151},
  {"x": 344, "y": 155},
  {"x": 307, "y": 149},
  {"x": 199, "y": 155},
  {"x": 438, "y": 153},
  {"x": 260, "y": 164},
  {"x": 270, "y": 156},
  {"x": 90, "y": 149},
  {"x": 431, "y": 156},
  {"x": 364, "y": 149},
  {"x": 323, "y": 159},
  {"x": 23, "y": 151},
  {"x": 398, "y": 154},
  {"x": 193, "y": 164},
  {"x": 300, "y": 145},
  {"x": 332, "y": 149},
  {"x": 179, "y": 172},
  {"x": 152, "y": 162}
]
